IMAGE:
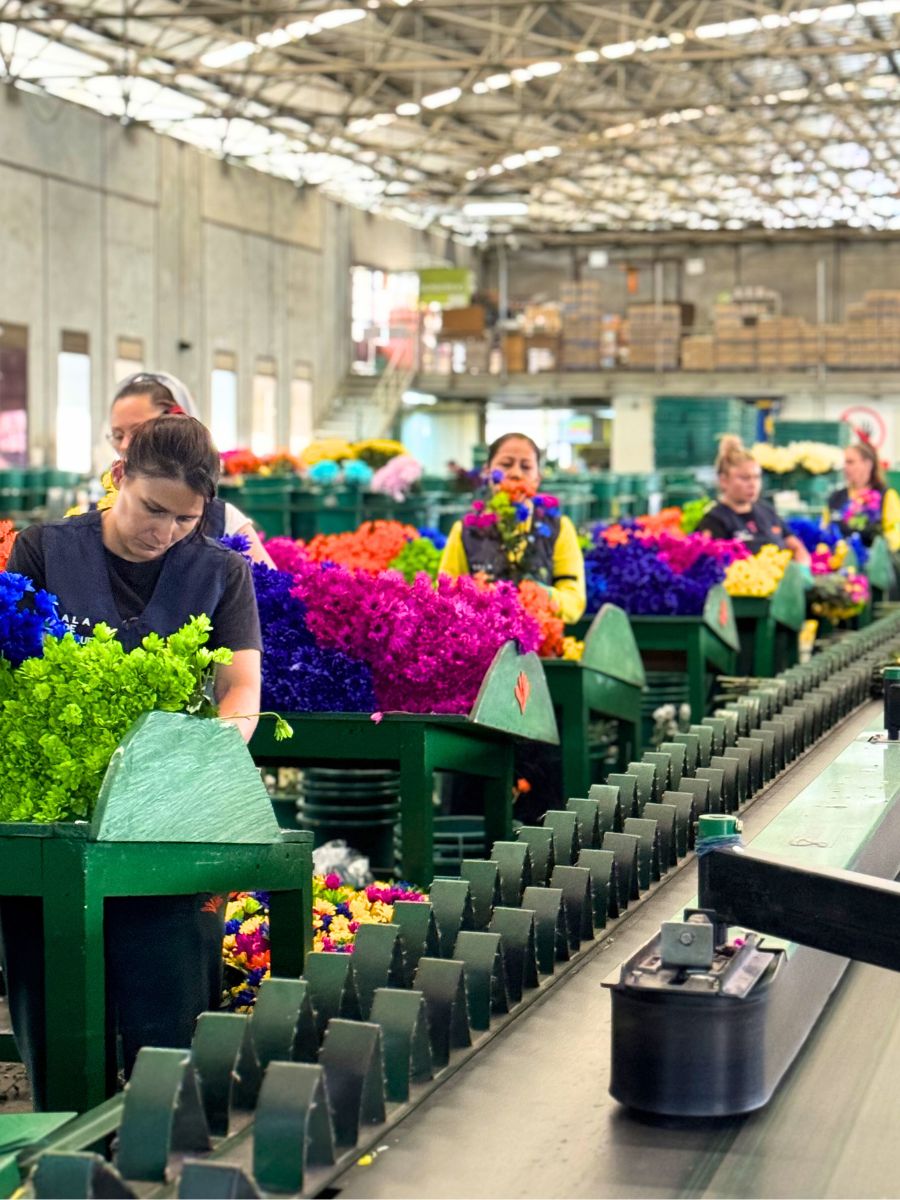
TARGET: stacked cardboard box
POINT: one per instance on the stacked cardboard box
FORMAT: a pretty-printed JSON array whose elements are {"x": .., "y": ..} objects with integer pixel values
[
  {"x": 542, "y": 319},
  {"x": 655, "y": 333},
  {"x": 463, "y": 322},
  {"x": 582, "y": 325},
  {"x": 698, "y": 353},
  {"x": 873, "y": 331},
  {"x": 514, "y": 355},
  {"x": 787, "y": 343}
]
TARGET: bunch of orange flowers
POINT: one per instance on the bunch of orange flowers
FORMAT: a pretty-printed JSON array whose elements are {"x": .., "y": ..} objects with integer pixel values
[
  {"x": 537, "y": 602},
  {"x": 372, "y": 547},
  {"x": 7, "y": 537}
]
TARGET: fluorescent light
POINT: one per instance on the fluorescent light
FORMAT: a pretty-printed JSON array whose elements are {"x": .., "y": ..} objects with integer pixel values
[
  {"x": 227, "y": 55},
  {"x": 521, "y": 74},
  {"x": 475, "y": 173},
  {"x": 542, "y": 69},
  {"x": 717, "y": 30},
  {"x": 495, "y": 82},
  {"x": 512, "y": 162},
  {"x": 336, "y": 17},
  {"x": 587, "y": 56},
  {"x": 495, "y": 208},
  {"x": 495, "y": 169},
  {"x": 533, "y": 156},
  {"x": 408, "y": 108},
  {"x": 440, "y": 99},
  {"x": 654, "y": 43},
  {"x": 384, "y": 119},
  {"x": 301, "y": 29},
  {"x": 273, "y": 39},
  {"x": 550, "y": 151},
  {"x": 480, "y": 88},
  {"x": 618, "y": 49}
]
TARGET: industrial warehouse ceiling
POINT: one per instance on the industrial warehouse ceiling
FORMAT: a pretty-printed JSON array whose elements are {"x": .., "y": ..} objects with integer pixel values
[{"x": 556, "y": 120}]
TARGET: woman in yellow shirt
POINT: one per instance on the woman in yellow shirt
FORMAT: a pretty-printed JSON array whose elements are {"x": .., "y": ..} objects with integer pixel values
[{"x": 546, "y": 548}]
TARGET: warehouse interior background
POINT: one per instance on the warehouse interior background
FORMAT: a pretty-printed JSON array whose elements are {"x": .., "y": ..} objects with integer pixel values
[{"x": 625, "y": 201}]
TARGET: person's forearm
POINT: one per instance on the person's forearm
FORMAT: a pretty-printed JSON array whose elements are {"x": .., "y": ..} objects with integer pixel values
[
  {"x": 570, "y": 600},
  {"x": 239, "y": 706},
  {"x": 799, "y": 551}
]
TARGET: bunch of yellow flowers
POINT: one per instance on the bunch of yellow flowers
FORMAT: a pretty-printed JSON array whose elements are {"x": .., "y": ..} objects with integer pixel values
[
  {"x": 816, "y": 457},
  {"x": 573, "y": 649},
  {"x": 759, "y": 575}
]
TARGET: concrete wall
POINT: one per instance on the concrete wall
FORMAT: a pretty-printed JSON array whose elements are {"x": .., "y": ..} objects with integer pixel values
[
  {"x": 851, "y": 268},
  {"x": 116, "y": 232}
]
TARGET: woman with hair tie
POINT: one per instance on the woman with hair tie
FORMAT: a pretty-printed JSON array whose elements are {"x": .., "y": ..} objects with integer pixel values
[{"x": 739, "y": 513}]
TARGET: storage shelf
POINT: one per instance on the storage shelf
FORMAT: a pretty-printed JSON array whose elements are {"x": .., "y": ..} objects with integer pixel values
[{"x": 601, "y": 385}]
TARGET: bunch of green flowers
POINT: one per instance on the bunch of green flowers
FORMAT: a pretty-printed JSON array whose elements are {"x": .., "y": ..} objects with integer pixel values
[
  {"x": 693, "y": 512},
  {"x": 62, "y": 716},
  {"x": 415, "y": 557}
]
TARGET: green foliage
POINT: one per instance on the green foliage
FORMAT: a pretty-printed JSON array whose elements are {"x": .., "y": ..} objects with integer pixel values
[
  {"x": 63, "y": 715},
  {"x": 420, "y": 555},
  {"x": 693, "y": 513}
]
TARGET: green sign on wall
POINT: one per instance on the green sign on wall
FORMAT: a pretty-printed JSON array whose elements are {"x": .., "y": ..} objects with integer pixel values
[{"x": 451, "y": 287}]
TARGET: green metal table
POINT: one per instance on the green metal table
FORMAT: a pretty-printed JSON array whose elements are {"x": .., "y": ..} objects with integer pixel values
[
  {"x": 699, "y": 646},
  {"x": 768, "y": 627},
  {"x": 513, "y": 702},
  {"x": 880, "y": 570},
  {"x": 181, "y": 810},
  {"x": 607, "y": 682}
]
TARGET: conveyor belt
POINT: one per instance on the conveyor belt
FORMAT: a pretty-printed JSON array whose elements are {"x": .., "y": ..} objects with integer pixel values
[{"x": 530, "y": 1115}]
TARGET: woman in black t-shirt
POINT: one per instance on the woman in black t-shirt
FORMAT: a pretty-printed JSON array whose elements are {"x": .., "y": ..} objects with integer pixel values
[
  {"x": 143, "y": 566},
  {"x": 740, "y": 514}
]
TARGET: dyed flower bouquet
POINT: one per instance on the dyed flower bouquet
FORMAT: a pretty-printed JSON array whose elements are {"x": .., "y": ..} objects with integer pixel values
[
  {"x": 66, "y": 705},
  {"x": 338, "y": 912},
  {"x": 651, "y": 570},
  {"x": 337, "y": 639},
  {"x": 758, "y": 575}
]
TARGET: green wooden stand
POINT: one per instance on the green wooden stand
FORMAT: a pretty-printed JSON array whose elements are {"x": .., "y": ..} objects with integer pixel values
[
  {"x": 699, "y": 646},
  {"x": 880, "y": 570},
  {"x": 513, "y": 702},
  {"x": 607, "y": 682},
  {"x": 181, "y": 810},
  {"x": 768, "y": 627}
]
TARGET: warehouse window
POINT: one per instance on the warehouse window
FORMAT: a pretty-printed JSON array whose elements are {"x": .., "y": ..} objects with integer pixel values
[
  {"x": 129, "y": 358},
  {"x": 224, "y": 400},
  {"x": 13, "y": 395},
  {"x": 384, "y": 318},
  {"x": 73, "y": 403},
  {"x": 265, "y": 391},
  {"x": 301, "y": 417}
]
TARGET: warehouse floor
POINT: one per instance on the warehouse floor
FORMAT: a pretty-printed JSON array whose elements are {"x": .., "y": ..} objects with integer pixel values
[{"x": 530, "y": 1114}]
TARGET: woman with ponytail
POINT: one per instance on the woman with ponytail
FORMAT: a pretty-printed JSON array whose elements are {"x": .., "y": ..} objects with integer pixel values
[{"x": 740, "y": 514}]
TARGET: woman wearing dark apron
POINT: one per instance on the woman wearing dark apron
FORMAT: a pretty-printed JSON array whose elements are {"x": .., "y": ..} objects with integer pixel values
[
  {"x": 740, "y": 514},
  {"x": 143, "y": 566}
]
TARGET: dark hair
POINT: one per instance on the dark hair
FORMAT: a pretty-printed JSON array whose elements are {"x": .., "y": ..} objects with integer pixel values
[
  {"x": 175, "y": 447},
  {"x": 868, "y": 452},
  {"x": 145, "y": 384},
  {"x": 497, "y": 445}
]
